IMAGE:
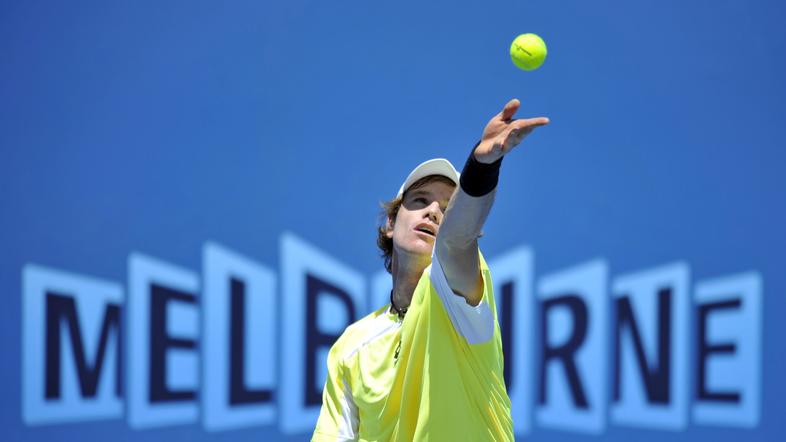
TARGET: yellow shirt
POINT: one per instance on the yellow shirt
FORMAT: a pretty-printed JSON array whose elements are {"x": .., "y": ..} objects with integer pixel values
[{"x": 437, "y": 375}]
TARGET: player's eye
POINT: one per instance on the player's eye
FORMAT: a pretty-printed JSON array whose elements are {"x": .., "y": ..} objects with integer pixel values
[{"x": 420, "y": 201}]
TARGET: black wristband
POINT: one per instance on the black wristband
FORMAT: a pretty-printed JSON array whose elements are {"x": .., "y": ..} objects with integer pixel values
[{"x": 478, "y": 179}]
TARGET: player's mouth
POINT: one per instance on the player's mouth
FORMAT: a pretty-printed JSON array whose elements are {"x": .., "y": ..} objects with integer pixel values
[{"x": 427, "y": 230}]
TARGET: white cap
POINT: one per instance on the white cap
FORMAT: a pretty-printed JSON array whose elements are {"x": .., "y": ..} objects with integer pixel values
[{"x": 436, "y": 166}]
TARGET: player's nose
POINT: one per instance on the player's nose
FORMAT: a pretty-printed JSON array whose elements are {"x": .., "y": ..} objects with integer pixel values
[{"x": 434, "y": 213}]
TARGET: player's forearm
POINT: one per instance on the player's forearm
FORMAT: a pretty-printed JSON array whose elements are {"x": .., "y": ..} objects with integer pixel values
[
  {"x": 457, "y": 241},
  {"x": 464, "y": 219},
  {"x": 471, "y": 203}
]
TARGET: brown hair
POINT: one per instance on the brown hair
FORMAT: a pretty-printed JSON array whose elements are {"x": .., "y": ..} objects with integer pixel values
[{"x": 390, "y": 211}]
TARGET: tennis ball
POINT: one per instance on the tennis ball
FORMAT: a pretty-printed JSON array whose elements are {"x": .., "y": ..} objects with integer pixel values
[{"x": 528, "y": 51}]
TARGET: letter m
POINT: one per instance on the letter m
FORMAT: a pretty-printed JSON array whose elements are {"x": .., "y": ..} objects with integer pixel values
[{"x": 71, "y": 366}]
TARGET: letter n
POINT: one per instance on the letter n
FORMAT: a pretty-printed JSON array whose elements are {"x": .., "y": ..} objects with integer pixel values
[{"x": 650, "y": 372}]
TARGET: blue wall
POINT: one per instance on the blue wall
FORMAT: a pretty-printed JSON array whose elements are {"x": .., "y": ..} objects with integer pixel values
[{"x": 157, "y": 128}]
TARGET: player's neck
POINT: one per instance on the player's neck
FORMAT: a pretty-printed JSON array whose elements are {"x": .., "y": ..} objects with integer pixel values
[{"x": 406, "y": 274}]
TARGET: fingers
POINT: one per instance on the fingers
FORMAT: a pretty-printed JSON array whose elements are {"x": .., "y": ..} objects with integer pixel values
[
  {"x": 521, "y": 128},
  {"x": 510, "y": 109},
  {"x": 530, "y": 123}
]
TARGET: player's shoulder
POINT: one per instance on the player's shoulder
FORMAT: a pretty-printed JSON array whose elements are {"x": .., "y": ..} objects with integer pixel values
[
  {"x": 363, "y": 324},
  {"x": 357, "y": 332}
]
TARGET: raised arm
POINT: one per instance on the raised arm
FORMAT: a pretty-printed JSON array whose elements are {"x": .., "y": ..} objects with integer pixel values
[{"x": 457, "y": 241}]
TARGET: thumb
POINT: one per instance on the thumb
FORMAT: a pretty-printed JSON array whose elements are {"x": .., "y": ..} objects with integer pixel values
[{"x": 510, "y": 109}]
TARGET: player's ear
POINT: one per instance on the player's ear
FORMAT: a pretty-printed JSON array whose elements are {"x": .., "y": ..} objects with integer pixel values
[{"x": 389, "y": 227}]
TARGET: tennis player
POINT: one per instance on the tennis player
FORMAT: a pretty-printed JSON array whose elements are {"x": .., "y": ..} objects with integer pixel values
[{"x": 429, "y": 366}]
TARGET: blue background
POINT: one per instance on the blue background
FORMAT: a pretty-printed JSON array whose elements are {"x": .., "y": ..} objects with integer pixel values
[{"x": 156, "y": 127}]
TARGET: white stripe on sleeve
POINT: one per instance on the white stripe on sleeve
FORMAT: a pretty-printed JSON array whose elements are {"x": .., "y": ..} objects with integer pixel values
[{"x": 348, "y": 426}]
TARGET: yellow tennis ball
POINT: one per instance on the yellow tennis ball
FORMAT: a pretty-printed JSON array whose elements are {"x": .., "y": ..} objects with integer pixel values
[{"x": 528, "y": 51}]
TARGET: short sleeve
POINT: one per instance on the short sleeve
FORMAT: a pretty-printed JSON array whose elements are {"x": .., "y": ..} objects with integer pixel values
[
  {"x": 474, "y": 323},
  {"x": 338, "y": 417}
]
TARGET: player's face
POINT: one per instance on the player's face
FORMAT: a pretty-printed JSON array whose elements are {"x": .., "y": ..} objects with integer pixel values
[{"x": 419, "y": 217}]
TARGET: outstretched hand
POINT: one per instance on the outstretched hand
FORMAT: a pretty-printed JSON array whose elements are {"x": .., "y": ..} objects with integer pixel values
[{"x": 503, "y": 133}]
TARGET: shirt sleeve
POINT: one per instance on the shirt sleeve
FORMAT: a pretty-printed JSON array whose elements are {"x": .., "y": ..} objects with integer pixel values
[
  {"x": 474, "y": 323},
  {"x": 338, "y": 417}
]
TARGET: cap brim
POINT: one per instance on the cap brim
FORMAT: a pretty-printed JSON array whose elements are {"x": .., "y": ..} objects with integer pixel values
[{"x": 436, "y": 166}]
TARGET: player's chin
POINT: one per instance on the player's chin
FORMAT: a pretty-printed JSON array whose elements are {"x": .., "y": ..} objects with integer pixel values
[{"x": 420, "y": 246}]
